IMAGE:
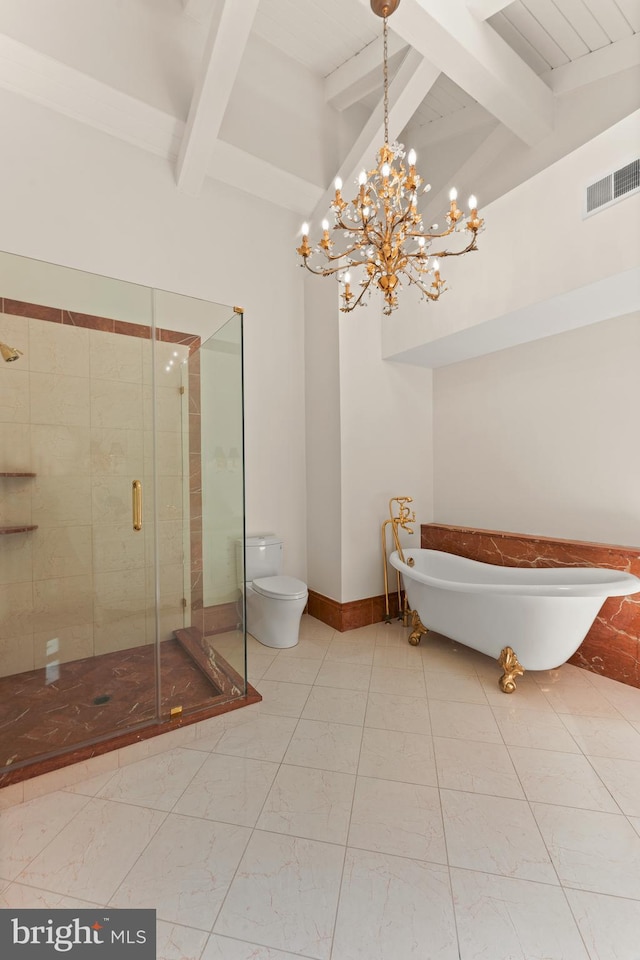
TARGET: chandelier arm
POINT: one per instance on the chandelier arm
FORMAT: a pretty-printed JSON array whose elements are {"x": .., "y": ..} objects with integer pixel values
[
  {"x": 330, "y": 271},
  {"x": 349, "y": 228},
  {"x": 340, "y": 223},
  {"x": 435, "y": 236},
  {"x": 365, "y": 287},
  {"x": 363, "y": 231},
  {"x": 357, "y": 231},
  {"x": 372, "y": 236},
  {"x": 345, "y": 253},
  {"x": 322, "y": 271},
  {"x": 417, "y": 263},
  {"x": 420, "y": 285},
  {"x": 457, "y": 253},
  {"x": 338, "y": 256}
]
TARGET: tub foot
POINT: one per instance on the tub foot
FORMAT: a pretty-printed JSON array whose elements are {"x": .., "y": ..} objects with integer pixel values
[
  {"x": 512, "y": 669},
  {"x": 419, "y": 630}
]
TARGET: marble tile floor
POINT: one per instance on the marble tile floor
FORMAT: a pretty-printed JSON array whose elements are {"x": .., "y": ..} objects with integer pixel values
[{"x": 383, "y": 802}]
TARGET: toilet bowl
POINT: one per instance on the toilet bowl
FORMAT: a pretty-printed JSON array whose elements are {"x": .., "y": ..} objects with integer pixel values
[{"x": 274, "y": 603}]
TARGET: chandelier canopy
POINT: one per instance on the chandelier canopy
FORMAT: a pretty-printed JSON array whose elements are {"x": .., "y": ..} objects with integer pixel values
[{"x": 380, "y": 232}]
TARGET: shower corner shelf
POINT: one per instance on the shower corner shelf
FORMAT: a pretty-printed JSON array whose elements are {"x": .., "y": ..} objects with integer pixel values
[{"x": 17, "y": 527}]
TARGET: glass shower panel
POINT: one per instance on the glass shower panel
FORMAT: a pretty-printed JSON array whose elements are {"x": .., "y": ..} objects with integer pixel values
[
  {"x": 223, "y": 507},
  {"x": 78, "y": 648},
  {"x": 199, "y": 511}
]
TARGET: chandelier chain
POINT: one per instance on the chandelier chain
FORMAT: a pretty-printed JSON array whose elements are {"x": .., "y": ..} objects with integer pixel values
[{"x": 385, "y": 74}]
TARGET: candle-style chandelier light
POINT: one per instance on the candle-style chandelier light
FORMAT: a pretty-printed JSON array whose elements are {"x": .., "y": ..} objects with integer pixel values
[{"x": 380, "y": 231}]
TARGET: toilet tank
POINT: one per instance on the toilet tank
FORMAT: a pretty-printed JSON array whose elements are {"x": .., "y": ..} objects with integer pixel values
[{"x": 263, "y": 556}]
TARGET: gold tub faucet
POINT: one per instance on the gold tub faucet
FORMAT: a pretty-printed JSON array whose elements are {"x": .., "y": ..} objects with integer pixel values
[{"x": 401, "y": 521}]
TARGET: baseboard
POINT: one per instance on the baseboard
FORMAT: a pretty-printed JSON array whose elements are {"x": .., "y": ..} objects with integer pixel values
[{"x": 356, "y": 613}]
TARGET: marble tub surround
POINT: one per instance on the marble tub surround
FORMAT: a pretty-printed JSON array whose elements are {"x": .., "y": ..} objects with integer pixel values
[
  {"x": 338, "y": 820},
  {"x": 612, "y": 645}
]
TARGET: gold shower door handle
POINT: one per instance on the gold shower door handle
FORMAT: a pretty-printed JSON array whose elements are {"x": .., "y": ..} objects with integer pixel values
[{"x": 136, "y": 499}]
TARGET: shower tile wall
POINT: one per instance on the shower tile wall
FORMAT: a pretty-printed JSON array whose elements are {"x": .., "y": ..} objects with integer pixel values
[{"x": 76, "y": 410}]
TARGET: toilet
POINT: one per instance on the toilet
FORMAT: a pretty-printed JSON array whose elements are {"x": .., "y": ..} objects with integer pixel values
[{"x": 275, "y": 603}]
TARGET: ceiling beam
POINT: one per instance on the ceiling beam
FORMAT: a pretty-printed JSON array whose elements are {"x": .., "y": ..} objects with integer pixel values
[
  {"x": 226, "y": 42},
  {"x": 199, "y": 10},
  {"x": 464, "y": 178},
  {"x": 53, "y": 84},
  {"x": 361, "y": 74},
  {"x": 472, "y": 54},
  {"x": 407, "y": 90},
  {"x": 602, "y": 63},
  {"x": 452, "y": 125},
  {"x": 73, "y": 94},
  {"x": 237, "y": 168},
  {"x": 483, "y": 9}
]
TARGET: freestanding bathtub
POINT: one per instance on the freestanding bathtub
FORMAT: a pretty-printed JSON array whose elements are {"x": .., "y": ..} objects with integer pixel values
[{"x": 531, "y": 618}]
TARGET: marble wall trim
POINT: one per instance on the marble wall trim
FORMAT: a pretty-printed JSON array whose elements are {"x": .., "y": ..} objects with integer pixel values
[
  {"x": 38, "y": 311},
  {"x": 612, "y": 646}
]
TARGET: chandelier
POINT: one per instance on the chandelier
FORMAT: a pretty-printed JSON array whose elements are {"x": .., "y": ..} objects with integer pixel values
[{"x": 380, "y": 232}]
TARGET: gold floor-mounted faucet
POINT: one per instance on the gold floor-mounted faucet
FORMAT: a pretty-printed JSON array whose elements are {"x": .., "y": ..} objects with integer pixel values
[{"x": 404, "y": 518}]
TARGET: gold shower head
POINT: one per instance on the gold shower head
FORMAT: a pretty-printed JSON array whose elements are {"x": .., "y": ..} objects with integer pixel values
[{"x": 9, "y": 353}]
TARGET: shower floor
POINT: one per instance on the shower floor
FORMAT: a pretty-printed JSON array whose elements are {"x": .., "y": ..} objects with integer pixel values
[{"x": 95, "y": 697}]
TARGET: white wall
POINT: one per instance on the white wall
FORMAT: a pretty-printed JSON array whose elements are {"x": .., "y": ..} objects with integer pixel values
[
  {"x": 83, "y": 199},
  {"x": 536, "y": 249},
  {"x": 542, "y": 438},
  {"x": 324, "y": 462},
  {"x": 386, "y": 448},
  {"x": 368, "y": 440}
]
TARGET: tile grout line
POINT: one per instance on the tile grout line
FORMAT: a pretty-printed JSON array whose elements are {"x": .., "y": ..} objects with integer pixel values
[{"x": 252, "y": 832}]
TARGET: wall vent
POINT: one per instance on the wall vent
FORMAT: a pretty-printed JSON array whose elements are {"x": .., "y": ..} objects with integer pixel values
[{"x": 613, "y": 187}]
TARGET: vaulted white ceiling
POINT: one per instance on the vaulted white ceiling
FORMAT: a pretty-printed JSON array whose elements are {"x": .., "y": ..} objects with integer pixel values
[{"x": 278, "y": 96}]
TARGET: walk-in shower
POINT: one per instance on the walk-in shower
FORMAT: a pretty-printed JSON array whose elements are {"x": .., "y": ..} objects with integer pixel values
[{"x": 121, "y": 500}]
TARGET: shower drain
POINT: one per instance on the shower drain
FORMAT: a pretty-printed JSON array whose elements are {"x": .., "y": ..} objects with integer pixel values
[{"x": 103, "y": 699}]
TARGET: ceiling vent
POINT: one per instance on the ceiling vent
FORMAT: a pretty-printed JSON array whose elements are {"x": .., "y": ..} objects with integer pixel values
[{"x": 615, "y": 186}]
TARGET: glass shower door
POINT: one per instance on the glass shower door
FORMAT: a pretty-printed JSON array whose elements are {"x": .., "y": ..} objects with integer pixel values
[{"x": 79, "y": 660}]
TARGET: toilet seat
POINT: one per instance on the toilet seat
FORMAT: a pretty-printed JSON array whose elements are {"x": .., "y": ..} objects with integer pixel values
[{"x": 280, "y": 588}]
